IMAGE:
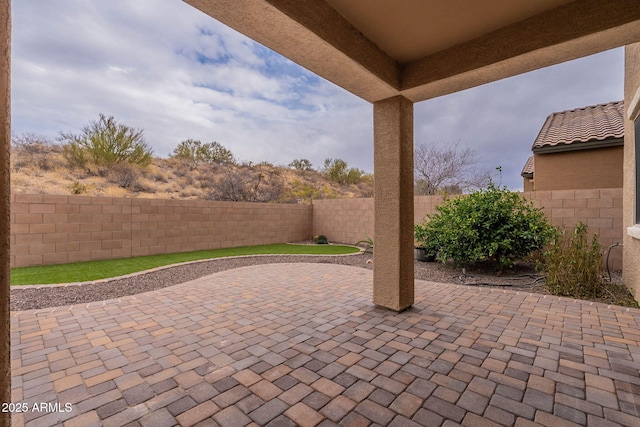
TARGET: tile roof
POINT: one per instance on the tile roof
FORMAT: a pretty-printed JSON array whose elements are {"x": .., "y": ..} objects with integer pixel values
[
  {"x": 594, "y": 123},
  {"x": 527, "y": 170}
]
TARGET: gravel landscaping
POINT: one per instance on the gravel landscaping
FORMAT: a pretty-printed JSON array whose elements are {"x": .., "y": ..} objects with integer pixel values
[{"x": 523, "y": 277}]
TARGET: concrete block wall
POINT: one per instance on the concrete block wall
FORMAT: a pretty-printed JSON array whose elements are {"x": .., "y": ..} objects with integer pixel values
[
  {"x": 349, "y": 220},
  {"x": 352, "y": 220},
  {"x": 61, "y": 229},
  {"x": 600, "y": 209},
  {"x": 343, "y": 220}
]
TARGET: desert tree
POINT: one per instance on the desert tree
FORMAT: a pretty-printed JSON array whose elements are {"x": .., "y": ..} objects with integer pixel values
[
  {"x": 338, "y": 171},
  {"x": 301, "y": 165},
  {"x": 106, "y": 143},
  {"x": 451, "y": 169},
  {"x": 194, "y": 153}
]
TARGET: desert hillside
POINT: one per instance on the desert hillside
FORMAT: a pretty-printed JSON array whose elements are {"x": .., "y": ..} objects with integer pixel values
[{"x": 40, "y": 166}]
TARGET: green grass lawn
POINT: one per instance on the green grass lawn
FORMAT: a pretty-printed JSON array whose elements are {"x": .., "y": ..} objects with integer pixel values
[{"x": 94, "y": 270}]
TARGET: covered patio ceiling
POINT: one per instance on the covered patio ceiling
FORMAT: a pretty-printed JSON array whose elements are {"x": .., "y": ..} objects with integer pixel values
[{"x": 422, "y": 49}]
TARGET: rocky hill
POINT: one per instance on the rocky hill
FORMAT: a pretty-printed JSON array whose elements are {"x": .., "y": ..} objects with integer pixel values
[{"x": 40, "y": 167}]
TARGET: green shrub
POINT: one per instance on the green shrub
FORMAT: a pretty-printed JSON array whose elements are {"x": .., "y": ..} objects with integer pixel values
[
  {"x": 573, "y": 264},
  {"x": 421, "y": 237},
  {"x": 194, "y": 152},
  {"x": 301, "y": 165},
  {"x": 106, "y": 143},
  {"x": 77, "y": 188},
  {"x": 493, "y": 224},
  {"x": 75, "y": 155},
  {"x": 338, "y": 171},
  {"x": 368, "y": 244},
  {"x": 321, "y": 240}
]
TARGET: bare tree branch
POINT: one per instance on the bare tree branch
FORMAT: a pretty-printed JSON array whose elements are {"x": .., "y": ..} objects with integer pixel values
[{"x": 450, "y": 168}]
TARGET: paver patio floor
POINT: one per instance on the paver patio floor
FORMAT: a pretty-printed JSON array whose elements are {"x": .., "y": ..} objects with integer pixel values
[{"x": 302, "y": 344}]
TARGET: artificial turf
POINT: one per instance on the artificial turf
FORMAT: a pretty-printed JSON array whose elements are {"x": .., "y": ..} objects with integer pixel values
[{"x": 94, "y": 270}]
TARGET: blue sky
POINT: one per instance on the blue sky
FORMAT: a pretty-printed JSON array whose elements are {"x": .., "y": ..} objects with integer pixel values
[{"x": 164, "y": 67}]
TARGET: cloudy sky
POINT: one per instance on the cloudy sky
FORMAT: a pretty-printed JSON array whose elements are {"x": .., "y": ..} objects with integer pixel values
[{"x": 164, "y": 67}]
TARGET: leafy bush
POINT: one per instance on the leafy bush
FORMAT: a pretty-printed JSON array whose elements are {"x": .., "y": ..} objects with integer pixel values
[
  {"x": 195, "y": 152},
  {"x": 573, "y": 265},
  {"x": 493, "y": 224},
  {"x": 338, "y": 171},
  {"x": 301, "y": 165},
  {"x": 368, "y": 244},
  {"x": 421, "y": 237},
  {"x": 321, "y": 240},
  {"x": 77, "y": 188},
  {"x": 305, "y": 192},
  {"x": 106, "y": 143}
]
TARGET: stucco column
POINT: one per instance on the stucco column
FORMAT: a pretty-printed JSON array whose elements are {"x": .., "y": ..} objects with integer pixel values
[
  {"x": 5, "y": 191},
  {"x": 631, "y": 231},
  {"x": 393, "y": 175}
]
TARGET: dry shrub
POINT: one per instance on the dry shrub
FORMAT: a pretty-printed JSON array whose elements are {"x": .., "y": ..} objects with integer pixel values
[
  {"x": 113, "y": 191},
  {"x": 159, "y": 176},
  {"x": 189, "y": 193},
  {"x": 35, "y": 152},
  {"x": 144, "y": 186},
  {"x": 249, "y": 183},
  {"x": 123, "y": 176},
  {"x": 573, "y": 264},
  {"x": 77, "y": 188}
]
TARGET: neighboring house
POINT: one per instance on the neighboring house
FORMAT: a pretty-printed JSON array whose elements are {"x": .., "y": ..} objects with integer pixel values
[
  {"x": 578, "y": 149},
  {"x": 527, "y": 175}
]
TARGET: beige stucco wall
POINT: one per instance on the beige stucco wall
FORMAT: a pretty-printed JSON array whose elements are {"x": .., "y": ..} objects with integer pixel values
[
  {"x": 5, "y": 190},
  {"x": 631, "y": 245},
  {"x": 527, "y": 183},
  {"x": 597, "y": 168},
  {"x": 61, "y": 229}
]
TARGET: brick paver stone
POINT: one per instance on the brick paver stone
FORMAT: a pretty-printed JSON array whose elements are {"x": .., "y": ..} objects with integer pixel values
[
  {"x": 197, "y": 413},
  {"x": 303, "y": 415},
  {"x": 268, "y": 411},
  {"x": 302, "y": 344},
  {"x": 231, "y": 417}
]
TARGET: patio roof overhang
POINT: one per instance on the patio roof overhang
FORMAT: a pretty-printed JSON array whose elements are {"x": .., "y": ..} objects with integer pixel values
[{"x": 423, "y": 49}]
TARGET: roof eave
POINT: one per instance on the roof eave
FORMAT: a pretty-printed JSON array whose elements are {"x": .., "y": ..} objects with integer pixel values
[{"x": 575, "y": 146}]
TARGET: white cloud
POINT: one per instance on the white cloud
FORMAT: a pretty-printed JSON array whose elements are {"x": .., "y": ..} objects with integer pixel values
[
  {"x": 163, "y": 66},
  {"x": 501, "y": 120}
]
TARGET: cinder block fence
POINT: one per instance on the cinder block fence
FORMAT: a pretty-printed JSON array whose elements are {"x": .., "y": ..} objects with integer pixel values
[
  {"x": 350, "y": 220},
  {"x": 60, "y": 229}
]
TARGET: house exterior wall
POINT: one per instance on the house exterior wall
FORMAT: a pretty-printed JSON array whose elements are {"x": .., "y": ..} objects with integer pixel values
[
  {"x": 596, "y": 168},
  {"x": 527, "y": 184},
  {"x": 5, "y": 191},
  {"x": 631, "y": 271}
]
